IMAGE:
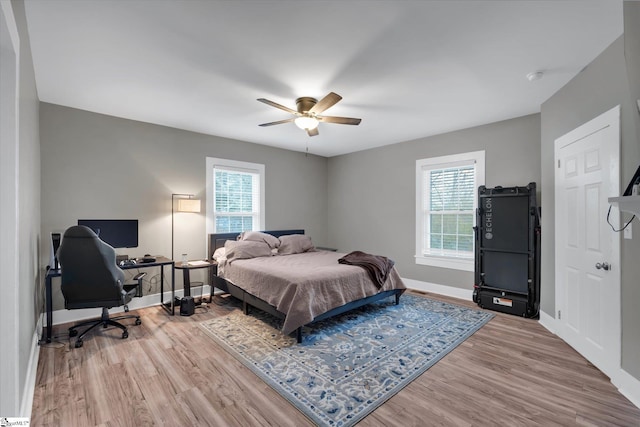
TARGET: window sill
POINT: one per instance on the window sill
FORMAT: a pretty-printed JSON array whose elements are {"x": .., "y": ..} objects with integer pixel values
[{"x": 442, "y": 262}]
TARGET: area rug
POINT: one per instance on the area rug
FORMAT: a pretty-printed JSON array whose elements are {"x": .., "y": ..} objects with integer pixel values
[{"x": 348, "y": 365}]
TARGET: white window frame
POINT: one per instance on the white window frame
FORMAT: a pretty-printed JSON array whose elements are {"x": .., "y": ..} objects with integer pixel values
[
  {"x": 213, "y": 162},
  {"x": 453, "y": 262}
]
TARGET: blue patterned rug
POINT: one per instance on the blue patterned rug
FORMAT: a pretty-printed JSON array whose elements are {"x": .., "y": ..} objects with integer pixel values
[{"x": 349, "y": 365}]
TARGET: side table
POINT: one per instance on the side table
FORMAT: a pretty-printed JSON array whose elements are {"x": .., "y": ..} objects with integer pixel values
[{"x": 194, "y": 265}]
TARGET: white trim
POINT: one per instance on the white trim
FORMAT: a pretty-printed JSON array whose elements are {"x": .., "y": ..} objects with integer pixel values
[
  {"x": 548, "y": 322},
  {"x": 628, "y": 386},
  {"x": 452, "y": 160},
  {"x": 449, "y": 291},
  {"x": 66, "y": 316},
  {"x": 453, "y": 263},
  {"x": 478, "y": 159},
  {"x": 211, "y": 162},
  {"x": 32, "y": 371}
]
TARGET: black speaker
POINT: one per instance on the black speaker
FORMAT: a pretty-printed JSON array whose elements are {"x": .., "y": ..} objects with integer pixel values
[
  {"x": 55, "y": 244},
  {"x": 187, "y": 306}
]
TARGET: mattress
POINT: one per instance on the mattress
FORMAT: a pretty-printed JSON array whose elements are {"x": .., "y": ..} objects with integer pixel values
[{"x": 304, "y": 286}]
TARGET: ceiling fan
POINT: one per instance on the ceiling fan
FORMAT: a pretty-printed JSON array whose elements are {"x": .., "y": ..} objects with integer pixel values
[{"x": 307, "y": 117}]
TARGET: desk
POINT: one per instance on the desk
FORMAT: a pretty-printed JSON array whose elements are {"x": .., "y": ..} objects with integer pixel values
[
  {"x": 186, "y": 267},
  {"x": 52, "y": 272}
]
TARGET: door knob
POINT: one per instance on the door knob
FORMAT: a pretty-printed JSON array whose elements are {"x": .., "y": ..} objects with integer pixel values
[{"x": 604, "y": 266}]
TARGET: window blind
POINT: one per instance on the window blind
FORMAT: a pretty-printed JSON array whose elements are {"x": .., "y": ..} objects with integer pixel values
[
  {"x": 448, "y": 207},
  {"x": 236, "y": 199}
]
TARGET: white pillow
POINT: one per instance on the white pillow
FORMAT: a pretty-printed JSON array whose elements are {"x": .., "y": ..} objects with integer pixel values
[
  {"x": 259, "y": 236},
  {"x": 220, "y": 255},
  {"x": 245, "y": 249},
  {"x": 295, "y": 244}
]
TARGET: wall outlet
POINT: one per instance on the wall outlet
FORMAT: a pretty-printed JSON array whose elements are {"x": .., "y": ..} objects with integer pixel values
[{"x": 628, "y": 234}]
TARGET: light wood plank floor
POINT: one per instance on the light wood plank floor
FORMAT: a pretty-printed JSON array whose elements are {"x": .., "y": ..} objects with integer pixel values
[{"x": 512, "y": 372}]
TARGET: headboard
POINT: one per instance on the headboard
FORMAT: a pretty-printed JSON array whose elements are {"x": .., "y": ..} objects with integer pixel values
[{"x": 217, "y": 240}]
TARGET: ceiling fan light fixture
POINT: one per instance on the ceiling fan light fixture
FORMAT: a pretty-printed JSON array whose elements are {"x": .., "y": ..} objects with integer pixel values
[
  {"x": 307, "y": 123},
  {"x": 308, "y": 115}
]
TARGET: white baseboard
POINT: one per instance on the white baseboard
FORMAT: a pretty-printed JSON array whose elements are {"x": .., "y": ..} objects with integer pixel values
[
  {"x": 548, "y": 322},
  {"x": 66, "y": 316},
  {"x": 26, "y": 403},
  {"x": 629, "y": 387},
  {"x": 450, "y": 291},
  {"x": 626, "y": 384}
]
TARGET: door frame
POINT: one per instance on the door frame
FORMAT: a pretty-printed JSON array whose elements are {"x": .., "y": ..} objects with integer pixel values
[{"x": 611, "y": 120}]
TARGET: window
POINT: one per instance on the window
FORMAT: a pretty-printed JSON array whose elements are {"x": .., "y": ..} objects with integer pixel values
[
  {"x": 235, "y": 196},
  {"x": 446, "y": 198}
]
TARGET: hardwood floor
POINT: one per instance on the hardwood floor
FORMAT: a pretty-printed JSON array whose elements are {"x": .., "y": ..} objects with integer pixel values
[{"x": 168, "y": 372}]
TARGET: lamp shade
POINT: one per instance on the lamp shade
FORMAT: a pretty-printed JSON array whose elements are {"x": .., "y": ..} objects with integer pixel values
[{"x": 188, "y": 205}]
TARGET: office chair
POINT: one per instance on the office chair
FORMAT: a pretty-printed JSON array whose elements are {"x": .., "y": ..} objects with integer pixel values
[{"x": 91, "y": 279}]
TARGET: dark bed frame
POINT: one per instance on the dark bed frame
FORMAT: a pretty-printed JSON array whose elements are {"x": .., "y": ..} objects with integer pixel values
[{"x": 216, "y": 241}]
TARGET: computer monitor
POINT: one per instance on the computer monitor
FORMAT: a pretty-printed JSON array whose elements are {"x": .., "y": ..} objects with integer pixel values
[{"x": 119, "y": 233}]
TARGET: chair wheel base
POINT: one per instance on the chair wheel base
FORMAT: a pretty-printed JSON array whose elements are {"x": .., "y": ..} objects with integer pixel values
[{"x": 104, "y": 322}]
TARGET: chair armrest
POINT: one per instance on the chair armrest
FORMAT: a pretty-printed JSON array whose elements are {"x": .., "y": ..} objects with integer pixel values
[
  {"x": 138, "y": 286},
  {"x": 139, "y": 276}
]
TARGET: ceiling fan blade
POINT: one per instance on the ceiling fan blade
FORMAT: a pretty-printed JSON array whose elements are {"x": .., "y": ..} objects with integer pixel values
[
  {"x": 326, "y": 102},
  {"x": 275, "y": 104},
  {"x": 339, "y": 120},
  {"x": 278, "y": 122},
  {"x": 312, "y": 132}
]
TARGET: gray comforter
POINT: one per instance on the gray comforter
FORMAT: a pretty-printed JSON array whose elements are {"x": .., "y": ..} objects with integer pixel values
[{"x": 303, "y": 286}]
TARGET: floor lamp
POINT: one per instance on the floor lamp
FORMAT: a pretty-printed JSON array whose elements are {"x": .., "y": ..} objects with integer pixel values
[{"x": 186, "y": 203}]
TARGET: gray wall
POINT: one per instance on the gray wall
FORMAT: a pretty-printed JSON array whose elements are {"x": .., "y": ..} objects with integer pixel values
[
  {"x": 101, "y": 167},
  {"x": 632, "y": 51},
  {"x": 372, "y": 194},
  {"x": 601, "y": 86},
  {"x": 25, "y": 254}
]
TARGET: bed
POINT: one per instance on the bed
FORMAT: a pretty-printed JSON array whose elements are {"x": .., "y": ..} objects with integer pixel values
[{"x": 300, "y": 287}]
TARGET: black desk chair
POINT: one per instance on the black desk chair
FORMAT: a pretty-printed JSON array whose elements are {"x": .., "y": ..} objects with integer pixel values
[{"x": 91, "y": 279}]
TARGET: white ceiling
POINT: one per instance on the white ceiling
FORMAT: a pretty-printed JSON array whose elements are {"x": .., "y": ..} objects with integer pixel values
[{"x": 409, "y": 69}]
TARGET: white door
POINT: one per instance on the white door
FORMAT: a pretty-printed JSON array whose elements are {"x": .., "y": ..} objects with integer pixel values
[{"x": 587, "y": 249}]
